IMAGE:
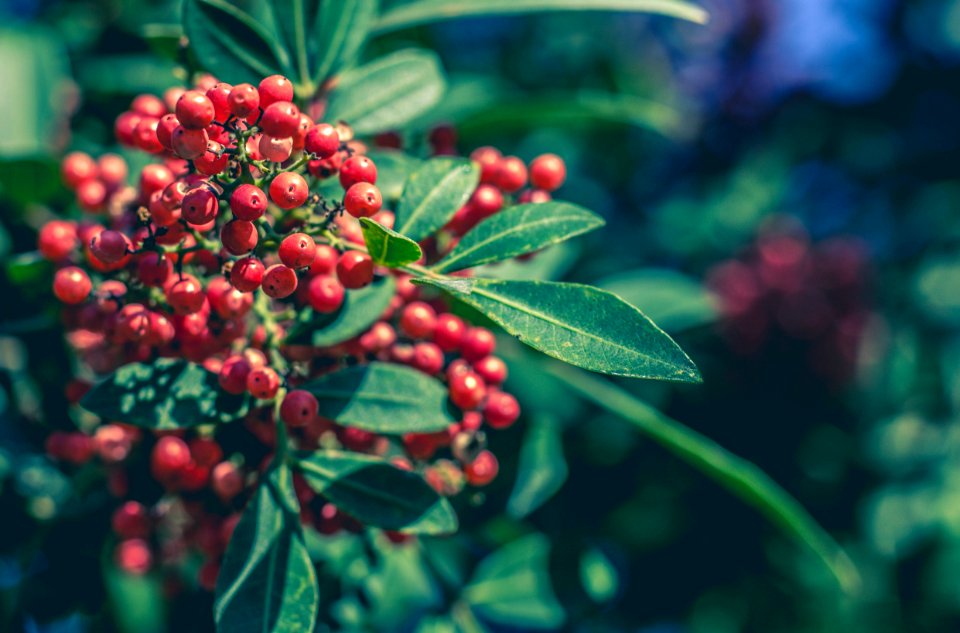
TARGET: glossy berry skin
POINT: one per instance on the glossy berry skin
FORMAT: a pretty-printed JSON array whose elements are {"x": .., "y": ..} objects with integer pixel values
[
  {"x": 185, "y": 295},
  {"x": 239, "y": 237},
  {"x": 153, "y": 270},
  {"x": 357, "y": 169},
  {"x": 547, "y": 172},
  {"x": 512, "y": 175},
  {"x": 219, "y": 96},
  {"x": 325, "y": 260},
  {"x": 299, "y": 408},
  {"x": 188, "y": 144},
  {"x": 280, "y": 119},
  {"x": 275, "y": 150},
  {"x": 492, "y": 369},
  {"x": 486, "y": 201},
  {"x": 71, "y": 285},
  {"x": 428, "y": 358},
  {"x": 273, "y": 89},
  {"x": 200, "y": 206},
  {"x": 77, "y": 168},
  {"x": 279, "y": 281},
  {"x": 322, "y": 141},
  {"x": 195, "y": 110},
  {"x": 248, "y": 202},
  {"x": 57, "y": 240},
  {"x": 110, "y": 246},
  {"x": 263, "y": 383},
  {"x": 289, "y": 190},
  {"x": 233, "y": 374},
  {"x": 169, "y": 458},
  {"x": 489, "y": 159},
  {"x": 477, "y": 343},
  {"x": 363, "y": 200},
  {"x": 325, "y": 294},
  {"x": 449, "y": 332},
  {"x": 418, "y": 320},
  {"x": 243, "y": 100},
  {"x": 133, "y": 556},
  {"x": 482, "y": 470},
  {"x": 355, "y": 270},
  {"x": 226, "y": 480},
  {"x": 501, "y": 410},
  {"x": 131, "y": 520},
  {"x": 247, "y": 274},
  {"x": 297, "y": 250},
  {"x": 467, "y": 390}
]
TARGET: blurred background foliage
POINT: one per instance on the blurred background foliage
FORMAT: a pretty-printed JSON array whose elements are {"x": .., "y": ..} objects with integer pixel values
[{"x": 781, "y": 192}]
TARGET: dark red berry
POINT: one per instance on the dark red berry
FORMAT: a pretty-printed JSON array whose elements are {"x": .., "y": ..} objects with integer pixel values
[
  {"x": 185, "y": 295},
  {"x": 477, "y": 343},
  {"x": 279, "y": 281},
  {"x": 297, "y": 250},
  {"x": 501, "y": 410},
  {"x": 289, "y": 190},
  {"x": 263, "y": 383},
  {"x": 363, "y": 200},
  {"x": 449, "y": 332},
  {"x": 200, "y": 206},
  {"x": 467, "y": 390},
  {"x": 298, "y": 408},
  {"x": 248, "y": 202},
  {"x": 418, "y": 320},
  {"x": 239, "y": 237},
  {"x": 247, "y": 274},
  {"x": 131, "y": 520}
]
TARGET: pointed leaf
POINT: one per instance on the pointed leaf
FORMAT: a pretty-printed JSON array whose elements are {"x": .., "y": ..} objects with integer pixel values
[
  {"x": 577, "y": 324},
  {"x": 518, "y": 230},
  {"x": 361, "y": 308},
  {"x": 408, "y": 14},
  {"x": 267, "y": 583},
  {"x": 385, "y": 94},
  {"x": 512, "y": 586},
  {"x": 341, "y": 30},
  {"x": 387, "y": 247},
  {"x": 383, "y": 398},
  {"x": 377, "y": 493},
  {"x": 165, "y": 394},
  {"x": 433, "y": 193}
]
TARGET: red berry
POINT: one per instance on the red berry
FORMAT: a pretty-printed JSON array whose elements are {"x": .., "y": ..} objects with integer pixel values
[
  {"x": 145, "y": 135},
  {"x": 226, "y": 480},
  {"x": 131, "y": 520},
  {"x": 357, "y": 169},
  {"x": 355, "y": 270},
  {"x": 219, "y": 96},
  {"x": 492, "y": 369},
  {"x": 289, "y": 190},
  {"x": 133, "y": 556},
  {"x": 297, "y": 250},
  {"x": 77, "y": 168},
  {"x": 239, "y": 237},
  {"x": 263, "y": 383},
  {"x": 227, "y": 301},
  {"x": 243, "y": 100},
  {"x": 325, "y": 294},
  {"x": 275, "y": 150},
  {"x": 477, "y": 343},
  {"x": 110, "y": 246},
  {"x": 200, "y": 206},
  {"x": 154, "y": 177},
  {"x": 185, "y": 295},
  {"x": 482, "y": 470},
  {"x": 428, "y": 358},
  {"x": 512, "y": 175},
  {"x": 124, "y": 126},
  {"x": 170, "y": 456},
  {"x": 248, "y": 202},
  {"x": 213, "y": 161},
  {"x": 547, "y": 172},
  {"x": 325, "y": 260},
  {"x": 57, "y": 240},
  {"x": 467, "y": 390},
  {"x": 71, "y": 285},
  {"x": 247, "y": 274},
  {"x": 195, "y": 110},
  {"x": 378, "y": 338},
  {"x": 418, "y": 320},
  {"x": 280, "y": 119},
  {"x": 148, "y": 105},
  {"x": 449, "y": 332},
  {"x": 189, "y": 144},
  {"x": 153, "y": 269},
  {"x": 279, "y": 281},
  {"x": 489, "y": 159},
  {"x": 205, "y": 451},
  {"x": 363, "y": 200},
  {"x": 113, "y": 170},
  {"x": 208, "y": 574},
  {"x": 322, "y": 141},
  {"x": 233, "y": 374},
  {"x": 486, "y": 201},
  {"x": 275, "y": 88},
  {"x": 501, "y": 409},
  {"x": 165, "y": 127},
  {"x": 91, "y": 195},
  {"x": 298, "y": 408}
]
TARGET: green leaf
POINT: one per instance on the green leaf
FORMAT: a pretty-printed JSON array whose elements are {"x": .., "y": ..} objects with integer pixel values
[
  {"x": 386, "y": 93},
  {"x": 433, "y": 193},
  {"x": 542, "y": 468},
  {"x": 415, "y": 13},
  {"x": 383, "y": 398},
  {"x": 512, "y": 586},
  {"x": 671, "y": 299},
  {"x": 393, "y": 168},
  {"x": 164, "y": 394},
  {"x": 361, "y": 309},
  {"x": 518, "y": 230},
  {"x": 267, "y": 583},
  {"x": 234, "y": 44},
  {"x": 598, "y": 575},
  {"x": 740, "y": 477},
  {"x": 341, "y": 31},
  {"x": 387, "y": 247},
  {"x": 577, "y": 324},
  {"x": 377, "y": 493}
]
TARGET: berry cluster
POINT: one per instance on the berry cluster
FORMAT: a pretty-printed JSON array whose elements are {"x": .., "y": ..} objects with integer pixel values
[
  {"x": 221, "y": 243},
  {"x": 812, "y": 293}
]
